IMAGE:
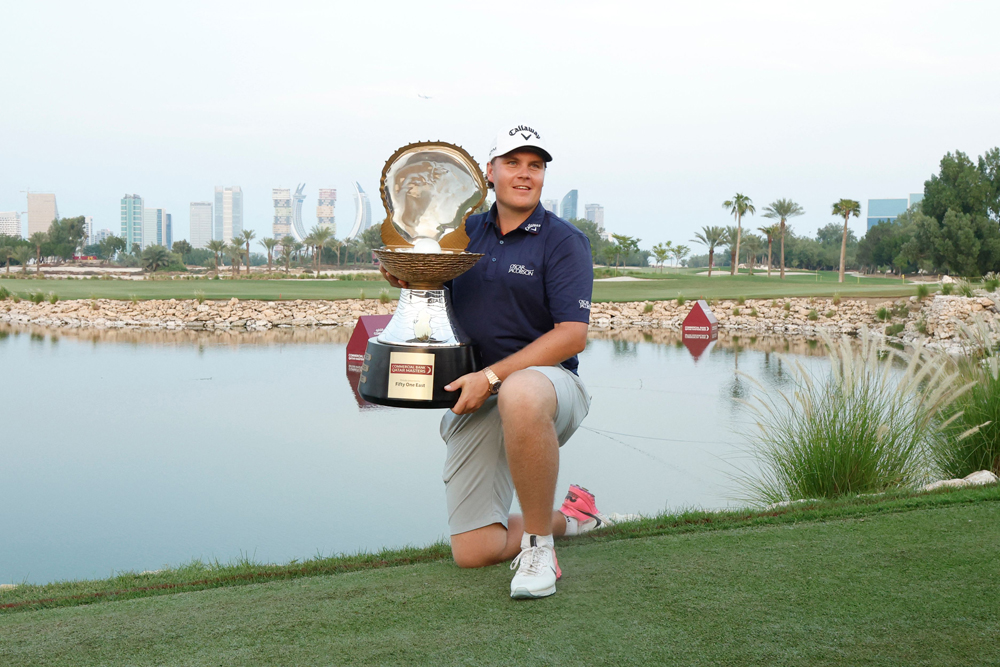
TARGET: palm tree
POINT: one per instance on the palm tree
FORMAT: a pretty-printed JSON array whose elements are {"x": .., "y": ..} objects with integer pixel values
[
  {"x": 217, "y": 248},
  {"x": 754, "y": 246},
  {"x": 739, "y": 206},
  {"x": 38, "y": 239},
  {"x": 270, "y": 244},
  {"x": 711, "y": 237},
  {"x": 22, "y": 254},
  {"x": 730, "y": 242},
  {"x": 247, "y": 236},
  {"x": 286, "y": 253},
  {"x": 335, "y": 245},
  {"x": 770, "y": 231},
  {"x": 783, "y": 209},
  {"x": 320, "y": 236},
  {"x": 661, "y": 251},
  {"x": 155, "y": 256},
  {"x": 235, "y": 253},
  {"x": 680, "y": 252},
  {"x": 310, "y": 242},
  {"x": 845, "y": 208},
  {"x": 7, "y": 252}
]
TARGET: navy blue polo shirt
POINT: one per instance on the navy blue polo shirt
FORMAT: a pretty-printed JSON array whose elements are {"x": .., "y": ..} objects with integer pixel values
[{"x": 537, "y": 275}]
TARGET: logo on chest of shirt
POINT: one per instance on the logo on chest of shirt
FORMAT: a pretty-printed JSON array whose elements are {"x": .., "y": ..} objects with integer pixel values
[
  {"x": 521, "y": 269},
  {"x": 533, "y": 227}
]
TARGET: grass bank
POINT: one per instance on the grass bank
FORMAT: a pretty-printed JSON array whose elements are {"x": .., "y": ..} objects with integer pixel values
[
  {"x": 903, "y": 579},
  {"x": 658, "y": 286}
]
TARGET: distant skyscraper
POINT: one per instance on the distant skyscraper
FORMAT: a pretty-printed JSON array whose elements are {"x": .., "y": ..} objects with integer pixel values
[
  {"x": 325, "y": 209},
  {"x": 41, "y": 212},
  {"x": 131, "y": 221},
  {"x": 551, "y": 205},
  {"x": 153, "y": 221},
  {"x": 569, "y": 206},
  {"x": 100, "y": 235},
  {"x": 298, "y": 227},
  {"x": 10, "y": 224},
  {"x": 201, "y": 223},
  {"x": 887, "y": 210},
  {"x": 88, "y": 229},
  {"x": 282, "y": 225},
  {"x": 228, "y": 213},
  {"x": 168, "y": 229},
  {"x": 595, "y": 213},
  {"x": 362, "y": 212}
]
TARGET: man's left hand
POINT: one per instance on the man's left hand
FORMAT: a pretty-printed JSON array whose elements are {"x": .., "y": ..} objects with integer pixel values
[{"x": 475, "y": 390}]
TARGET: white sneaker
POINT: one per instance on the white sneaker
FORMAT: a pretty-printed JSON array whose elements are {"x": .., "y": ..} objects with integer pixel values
[{"x": 537, "y": 569}]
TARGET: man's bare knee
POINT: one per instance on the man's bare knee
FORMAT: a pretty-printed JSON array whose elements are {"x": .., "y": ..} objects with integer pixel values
[
  {"x": 480, "y": 547},
  {"x": 526, "y": 394}
]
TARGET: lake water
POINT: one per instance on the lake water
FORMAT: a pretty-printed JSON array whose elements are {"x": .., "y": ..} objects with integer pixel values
[{"x": 131, "y": 450}]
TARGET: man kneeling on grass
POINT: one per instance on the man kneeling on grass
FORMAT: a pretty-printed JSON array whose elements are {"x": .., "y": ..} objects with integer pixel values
[{"x": 526, "y": 306}]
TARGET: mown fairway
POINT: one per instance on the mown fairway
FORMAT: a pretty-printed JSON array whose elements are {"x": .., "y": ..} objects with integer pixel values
[
  {"x": 668, "y": 285},
  {"x": 914, "y": 586}
]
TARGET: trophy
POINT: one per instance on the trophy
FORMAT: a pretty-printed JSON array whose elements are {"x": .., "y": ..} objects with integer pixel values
[{"x": 428, "y": 190}]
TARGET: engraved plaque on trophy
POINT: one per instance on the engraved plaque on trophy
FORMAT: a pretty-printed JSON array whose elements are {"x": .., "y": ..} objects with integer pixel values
[{"x": 428, "y": 190}]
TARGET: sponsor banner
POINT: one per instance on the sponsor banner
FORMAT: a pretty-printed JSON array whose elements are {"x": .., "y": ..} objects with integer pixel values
[{"x": 411, "y": 376}]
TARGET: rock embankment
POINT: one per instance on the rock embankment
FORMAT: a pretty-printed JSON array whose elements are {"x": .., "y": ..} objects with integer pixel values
[{"x": 938, "y": 318}]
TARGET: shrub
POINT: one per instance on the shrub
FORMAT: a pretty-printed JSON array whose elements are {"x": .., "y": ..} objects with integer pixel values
[
  {"x": 862, "y": 429},
  {"x": 741, "y": 300},
  {"x": 991, "y": 282},
  {"x": 133, "y": 298},
  {"x": 964, "y": 288},
  {"x": 4, "y": 293},
  {"x": 736, "y": 311},
  {"x": 836, "y": 299},
  {"x": 753, "y": 312},
  {"x": 829, "y": 314},
  {"x": 883, "y": 314},
  {"x": 648, "y": 308},
  {"x": 199, "y": 297},
  {"x": 923, "y": 291},
  {"x": 922, "y": 325},
  {"x": 383, "y": 298},
  {"x": 900, "y": 310},
  {"x": 947, "y": 288},
  {"x": 681, "y": 300},
  {"x": 53, "y": 298},
  {"x": 15, "y": 298},
  {"x": 361, "y": 295},
  {"x": 36, "y": 297},
  {"x": 813, "y": 315},
  {"x": 787, "y": 306},
  {"x": 895, "y": 329}
]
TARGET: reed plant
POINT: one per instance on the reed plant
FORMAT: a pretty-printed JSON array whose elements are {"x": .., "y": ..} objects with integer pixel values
[
  {"x": 864, "y": 427},
  {"x": 973, "y": 441}
]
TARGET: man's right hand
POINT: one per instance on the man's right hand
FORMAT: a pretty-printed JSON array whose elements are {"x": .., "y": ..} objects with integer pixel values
[{"x": 391, "y": 279}]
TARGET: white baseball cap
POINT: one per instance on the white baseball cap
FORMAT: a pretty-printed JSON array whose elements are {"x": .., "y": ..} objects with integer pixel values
[{"x": 518, "y": 136}]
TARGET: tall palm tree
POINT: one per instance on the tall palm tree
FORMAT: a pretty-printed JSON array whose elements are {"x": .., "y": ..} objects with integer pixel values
[
  {"x": 310, "y": 242},
  {"x": 270, "y": 244},
  {"x": 246, "y": 237},
  {"x": 711, "y": 237},
  {"x": 336, "y": 246},
  {"x": 287, "y": 248},
  {"x": 783, "y": 209},
  {"x": 38, "y": 239},
  {"x": 217, "y": 248},
  {"x": 845, "y": 208},
  {"x": 235, "y": 253},
  {"x": 730, "y": 242},
  {"x": 7, "y": 252},
  {"x": 770, "y": 231},
  {"x": 22, "y": 254},
  {"x": 738, "y": 206}
]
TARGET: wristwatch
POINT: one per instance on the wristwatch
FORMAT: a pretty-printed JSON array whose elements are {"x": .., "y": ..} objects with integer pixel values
[{"x": 494, "y": 381}]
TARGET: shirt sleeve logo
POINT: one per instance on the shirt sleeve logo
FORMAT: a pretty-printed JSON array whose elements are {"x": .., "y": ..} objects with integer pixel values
[
  {"x": 521, "y": 269},
  {"x": 584, "y": 304}
]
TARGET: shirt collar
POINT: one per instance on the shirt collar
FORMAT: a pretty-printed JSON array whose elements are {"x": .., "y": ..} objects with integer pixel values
[{"x": 533, "y": 225}]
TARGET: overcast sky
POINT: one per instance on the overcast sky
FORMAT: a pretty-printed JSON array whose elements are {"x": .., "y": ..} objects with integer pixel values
[{"x": 657, "y": 111}]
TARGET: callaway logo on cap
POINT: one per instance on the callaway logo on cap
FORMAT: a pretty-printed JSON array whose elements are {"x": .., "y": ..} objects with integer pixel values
[{"x": 518, "y": 136}]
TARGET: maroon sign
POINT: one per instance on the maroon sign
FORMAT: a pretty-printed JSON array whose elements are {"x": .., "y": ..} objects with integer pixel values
[
  {"x": 699, "y": 329},
  {"x": 367, "y": 327}
]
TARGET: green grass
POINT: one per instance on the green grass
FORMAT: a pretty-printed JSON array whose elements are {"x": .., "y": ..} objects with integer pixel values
[
  {"x": 896, "y": 581},
  {"x": 684, "y": 283}
]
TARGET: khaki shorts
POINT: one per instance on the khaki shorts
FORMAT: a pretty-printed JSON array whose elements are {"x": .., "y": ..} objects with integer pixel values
[{"x": 476, "y": 477}]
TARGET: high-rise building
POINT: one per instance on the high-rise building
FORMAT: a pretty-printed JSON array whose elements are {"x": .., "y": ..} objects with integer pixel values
[
  {"x": 153, "y": 222},
  {"x": 100, "y": 235},
  {"x": 595, "y": 213},
  {"x": 282, "y": 225},
  {"x": 131, "y": 221},
  {"x": 325, "y": 209},
  {"x": 168, "y": 229},
  {"x": 88, "y": 229},
  {"x": 228, "y": 213},
  {"x": 551, "y": 205},
  {"x": 887, "y": 210},
  {"x": 362, "y": 212},
  {"x": 569, "y": 205},
  {"x": 298, "y": 227},
  {"x": 201, "y": 223},
  {"x": 10, "y": 224},
  {"x": 42, "y": 211}
]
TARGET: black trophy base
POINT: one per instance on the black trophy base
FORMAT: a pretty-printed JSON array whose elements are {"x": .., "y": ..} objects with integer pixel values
[{"x": 404, "y": 382}]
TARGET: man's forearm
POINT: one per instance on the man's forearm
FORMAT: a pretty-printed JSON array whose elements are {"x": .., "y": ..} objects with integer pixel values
[{"x": 556, "y": 346}]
